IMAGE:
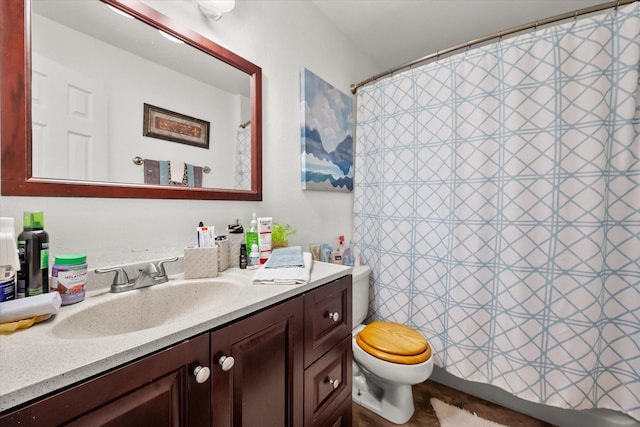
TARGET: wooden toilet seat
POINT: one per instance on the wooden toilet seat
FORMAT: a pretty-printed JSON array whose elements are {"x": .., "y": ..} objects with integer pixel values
[{"x": 394, "y": 342}]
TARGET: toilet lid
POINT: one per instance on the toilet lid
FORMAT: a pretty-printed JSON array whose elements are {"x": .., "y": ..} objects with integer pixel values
[{"x": 394, "y": 343}]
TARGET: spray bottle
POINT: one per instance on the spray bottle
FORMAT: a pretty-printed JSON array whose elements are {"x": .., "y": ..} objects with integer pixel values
[{"x": 33, "y": 250}]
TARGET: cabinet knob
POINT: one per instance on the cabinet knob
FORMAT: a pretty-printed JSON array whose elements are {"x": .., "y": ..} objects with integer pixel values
[
  {"x": 334, "y": 383},
  {"x": 335, "y": 316},
  {"x": 226, "y": 362},
  {"x": 201, "y": 373}
]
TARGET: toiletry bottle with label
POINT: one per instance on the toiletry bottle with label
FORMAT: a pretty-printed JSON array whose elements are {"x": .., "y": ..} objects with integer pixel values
[
  {"x": 252, "y": 235},
  {"x": 254, "y": 255},
  {"x": 9, "y": 261},
  {"x": 243, "y": 256},
  {"x": 33, "y": 251},
  {"x": 264, "y": 238}
]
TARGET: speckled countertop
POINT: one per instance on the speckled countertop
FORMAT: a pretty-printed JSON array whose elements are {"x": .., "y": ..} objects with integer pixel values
[{"x": 50, "y": 355}]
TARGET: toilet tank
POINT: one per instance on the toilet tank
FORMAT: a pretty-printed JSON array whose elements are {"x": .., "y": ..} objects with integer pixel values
[{"x": 360, "y": 288}]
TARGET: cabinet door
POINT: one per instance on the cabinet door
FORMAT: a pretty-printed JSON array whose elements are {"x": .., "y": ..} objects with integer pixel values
[
  {"x": 264, "y": 385},
  {"x": 328, "y": 318},
  {"x": 159, "y": 390},
  {"x": 327, "y": 386}
]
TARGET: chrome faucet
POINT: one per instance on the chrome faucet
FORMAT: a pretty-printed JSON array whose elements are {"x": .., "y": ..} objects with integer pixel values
[{"x": 151, "y": 274}]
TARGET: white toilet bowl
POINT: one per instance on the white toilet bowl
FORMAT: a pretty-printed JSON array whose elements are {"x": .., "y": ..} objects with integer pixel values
[{"x": 381, "y": 386}]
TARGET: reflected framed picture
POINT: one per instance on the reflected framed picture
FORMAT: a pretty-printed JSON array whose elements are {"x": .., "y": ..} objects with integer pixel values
[
  {"x": 326, "y": 131},
  {"x": 171, "y": 126}
]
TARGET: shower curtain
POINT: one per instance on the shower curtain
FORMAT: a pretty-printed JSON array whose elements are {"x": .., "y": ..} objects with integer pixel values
[
  {"x": 497, "y": 200},
  {"x": 243, "y": 159}
]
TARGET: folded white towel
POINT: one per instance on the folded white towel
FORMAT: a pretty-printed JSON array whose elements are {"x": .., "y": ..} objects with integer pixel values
[
  {"x": 176, "y": 171},
  {"x": 285, "y": 275},
  {"x": 26, "y": 308}
]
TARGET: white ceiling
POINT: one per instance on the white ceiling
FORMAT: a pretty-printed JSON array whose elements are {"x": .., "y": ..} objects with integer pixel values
[{"x": 395, "y": 32}]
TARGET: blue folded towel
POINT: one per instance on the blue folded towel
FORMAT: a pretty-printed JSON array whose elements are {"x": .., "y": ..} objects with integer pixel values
[{"x": 285, "y": 258}]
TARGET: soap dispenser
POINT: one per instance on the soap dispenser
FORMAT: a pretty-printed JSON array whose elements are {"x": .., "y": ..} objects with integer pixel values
[{"x": 252, "y": 235}]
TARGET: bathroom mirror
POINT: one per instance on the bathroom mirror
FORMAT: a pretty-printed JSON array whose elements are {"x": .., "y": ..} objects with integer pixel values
[{"x": 226, "y": 103}]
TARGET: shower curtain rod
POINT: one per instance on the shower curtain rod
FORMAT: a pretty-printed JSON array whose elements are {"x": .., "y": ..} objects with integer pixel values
[{"x": 498, "y": 35}]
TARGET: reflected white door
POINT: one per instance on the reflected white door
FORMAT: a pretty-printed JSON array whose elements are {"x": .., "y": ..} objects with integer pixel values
[{"x": 70, "y": 123}]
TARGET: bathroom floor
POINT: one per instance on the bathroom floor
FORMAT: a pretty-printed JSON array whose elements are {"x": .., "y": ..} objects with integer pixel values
[{"x": 425, "y": 416}]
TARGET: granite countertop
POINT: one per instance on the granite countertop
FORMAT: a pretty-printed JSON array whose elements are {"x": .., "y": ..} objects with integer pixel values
[{"x": 43, "y": 358}]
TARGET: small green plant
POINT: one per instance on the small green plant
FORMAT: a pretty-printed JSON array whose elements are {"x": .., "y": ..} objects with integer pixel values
[{"x": 280, "y": 233}]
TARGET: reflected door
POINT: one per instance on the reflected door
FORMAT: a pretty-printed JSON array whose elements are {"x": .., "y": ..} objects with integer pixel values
[{"x": 69, "y": 123}]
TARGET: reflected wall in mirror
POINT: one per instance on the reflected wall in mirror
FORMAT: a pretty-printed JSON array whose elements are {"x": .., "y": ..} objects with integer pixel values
[{"x": 89, "y": 82}]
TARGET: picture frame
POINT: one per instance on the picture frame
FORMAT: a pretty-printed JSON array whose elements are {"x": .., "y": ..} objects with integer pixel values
[
  {"x": 171, "y": 126},
  {"x": 326, "y": 130}
]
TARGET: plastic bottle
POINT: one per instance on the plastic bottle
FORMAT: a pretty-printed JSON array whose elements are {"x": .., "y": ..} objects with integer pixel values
[
  {"x": 9, "y": 261},
  {"x": 254, "y": 256},
  {"x": 264, "y": 238},
  {"x": 243, "y": 255},
  {"x": 33, "y": 251},
  {"x": 252, "y": 235}
]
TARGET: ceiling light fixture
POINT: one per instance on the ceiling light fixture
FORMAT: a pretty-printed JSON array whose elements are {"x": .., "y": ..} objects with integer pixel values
[{"x": 214, "y": 9}]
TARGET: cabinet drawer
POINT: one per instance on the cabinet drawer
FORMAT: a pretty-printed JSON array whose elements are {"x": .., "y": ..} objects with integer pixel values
[
  {"x": 323, "y": 396},
  {"x": 342, "y": 417},
  {"x": 327, "y": 318}
]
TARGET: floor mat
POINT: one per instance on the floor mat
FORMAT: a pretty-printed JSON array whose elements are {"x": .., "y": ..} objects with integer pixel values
[{"x": 452, "y": 416}]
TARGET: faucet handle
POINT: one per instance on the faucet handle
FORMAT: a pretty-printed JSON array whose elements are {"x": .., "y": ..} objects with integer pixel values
[
  {"x": 119, "y": 279},
  {"x": 160, "y": 265}
]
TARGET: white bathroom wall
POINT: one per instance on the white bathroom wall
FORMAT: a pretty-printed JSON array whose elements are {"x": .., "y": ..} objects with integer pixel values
[{"x": 281, "y": 37}]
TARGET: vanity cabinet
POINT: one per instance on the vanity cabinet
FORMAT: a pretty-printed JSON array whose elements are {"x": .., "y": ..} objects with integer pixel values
[
  {"x": 291, "y": 363},
  {"x": 327, "y": 355},
  {"x": 263, "y": 386},
  {"x": 287, "y": 365},
  {"x": 159, "y": 390}
]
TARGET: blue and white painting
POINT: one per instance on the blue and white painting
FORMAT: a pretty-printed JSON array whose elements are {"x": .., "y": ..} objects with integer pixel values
[{"x": 327, "y": 136}]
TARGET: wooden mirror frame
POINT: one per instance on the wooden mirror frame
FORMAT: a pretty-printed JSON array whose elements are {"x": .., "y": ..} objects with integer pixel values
[{"x": 15, "y": 113}]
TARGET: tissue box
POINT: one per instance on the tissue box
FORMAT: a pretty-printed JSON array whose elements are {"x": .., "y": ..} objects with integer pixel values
[
  {"x": 235, "y": 240},
  {"x": 223, "y": 254},
  {"x": 200, "y": 263}
]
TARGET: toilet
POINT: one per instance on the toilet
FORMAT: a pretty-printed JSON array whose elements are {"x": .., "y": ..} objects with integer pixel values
[{"x": 388, "y": 359}]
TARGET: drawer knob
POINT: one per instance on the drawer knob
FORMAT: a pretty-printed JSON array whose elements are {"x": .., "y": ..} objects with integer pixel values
[
  {"x": 226, "y": 362},
  {"x": 201, "y": 373},
  {"x": 335, "y": 316},
  {"x": 334, "y": 383}
]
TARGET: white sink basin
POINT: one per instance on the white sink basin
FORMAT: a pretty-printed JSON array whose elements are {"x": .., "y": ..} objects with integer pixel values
[{"x": 132, "y": 311}]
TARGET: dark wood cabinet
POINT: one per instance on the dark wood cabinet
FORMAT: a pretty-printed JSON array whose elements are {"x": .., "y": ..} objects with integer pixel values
[
  {"x": 328, "y": 355},
  {"x": 263, "y": 387},
  {"x": 288, "y": 365},
  {"x": 159, "y": 390}
]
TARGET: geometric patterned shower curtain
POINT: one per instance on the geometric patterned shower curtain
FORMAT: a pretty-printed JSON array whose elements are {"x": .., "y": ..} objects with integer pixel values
[
  {"x": 497, "y": 201},
  {"x": 242, "y": 174}
]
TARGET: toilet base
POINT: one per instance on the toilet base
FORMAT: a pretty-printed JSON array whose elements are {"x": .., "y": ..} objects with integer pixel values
[{"x": 393, "y": 402}]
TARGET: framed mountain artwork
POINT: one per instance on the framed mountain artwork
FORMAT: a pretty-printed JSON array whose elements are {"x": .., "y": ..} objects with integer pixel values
[{"x": 326, "y": 132}]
